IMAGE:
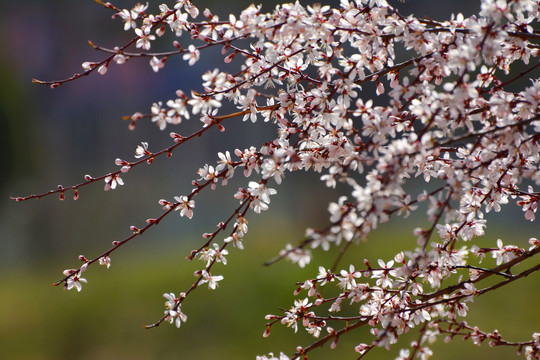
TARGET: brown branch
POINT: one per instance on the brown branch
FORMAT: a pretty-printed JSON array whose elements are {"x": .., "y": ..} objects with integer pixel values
[
  {"x": 150, "y": 223},
  {"x": 147, "y": 159},
  {"x": 495, "y": 270},
  {"x": 197, "y": 282},
  {"x": 55, "y": 83},
  {"x": 327, "y": 338}
]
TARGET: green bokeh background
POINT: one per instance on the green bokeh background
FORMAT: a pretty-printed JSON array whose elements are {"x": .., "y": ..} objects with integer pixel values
[
  {"x": 56, "y": 136},
  {"x": 105, "y": 320}
]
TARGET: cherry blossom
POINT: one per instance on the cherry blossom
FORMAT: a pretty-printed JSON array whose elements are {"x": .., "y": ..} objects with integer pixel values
[
  {"x": 144, "y": 38},
  {"x": 212, "y": 280},
  {"x": 105, "y": 261},
  {"x": 454, "y": 141},
  {"x": 185, "y": 206},
  {"x": 193, "y": 55},
  {"x": 74, "y": 279},
  {"x": 112, "y": 181},
  {"x": 172, "y": 312},
  {"x": 142, "y": 150}
]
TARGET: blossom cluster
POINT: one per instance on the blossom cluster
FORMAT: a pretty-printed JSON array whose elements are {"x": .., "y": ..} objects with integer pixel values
[{"x": 453, "y": 127}]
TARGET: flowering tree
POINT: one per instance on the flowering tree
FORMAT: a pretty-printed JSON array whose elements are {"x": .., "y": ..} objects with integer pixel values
[{"x": 451, "y": 121}]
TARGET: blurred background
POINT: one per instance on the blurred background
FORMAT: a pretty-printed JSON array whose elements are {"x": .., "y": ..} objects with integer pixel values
[{"x": 50, "y": 137}]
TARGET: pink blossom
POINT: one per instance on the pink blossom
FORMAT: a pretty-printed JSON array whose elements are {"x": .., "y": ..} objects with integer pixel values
[{"x": 185, "y": 206}]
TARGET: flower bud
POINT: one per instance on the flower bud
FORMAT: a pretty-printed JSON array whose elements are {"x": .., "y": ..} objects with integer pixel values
[{"x": 102, "y": 69}]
